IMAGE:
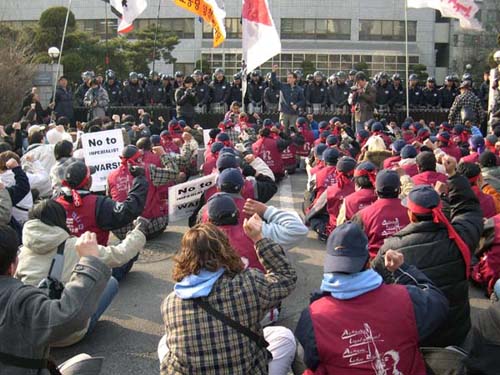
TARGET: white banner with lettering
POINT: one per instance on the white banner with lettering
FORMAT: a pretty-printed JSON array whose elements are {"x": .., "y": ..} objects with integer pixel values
[
  {"x": 102, "y": 151},
  {"x": 184, "y": 198}
]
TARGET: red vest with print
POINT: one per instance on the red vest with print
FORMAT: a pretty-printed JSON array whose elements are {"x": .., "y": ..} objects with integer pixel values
[
  {"x": 429, "y": 178},
  {"x": 324, "y": 178},
  {"x": 120, "y": 182},
  {"x": 487, "y": 202},
  {"x": 210, "y": 163},
  {"x": 351, "y": 339},
  {"x": 242, "y": 244},
  {"x": 319, "y": 166},
  {"x": 289, "y": 156},
  {"x": 305, "y": 149},
  {"x": 452, "y": 150},
  {"x": 391, "y": 161},
  {"x": 410, "y": 169},
  {"x": 238, "y": 200},
  {"x": 487, "y": 271},
  {"x": 82, "y": 219},
  {"x": 335, "y": 195},
  {"x": 382, "y": 219},
  {"x": 267, "y": 149},
  {"x": 358, "y": 200}
]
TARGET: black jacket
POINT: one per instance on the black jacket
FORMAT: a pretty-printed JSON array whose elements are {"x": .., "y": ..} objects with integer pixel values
[
  {"x": 185, "y": 100},
  {"x": 64, "y": 103},
  {"x": 385, "y": 94},
  {"x": 316, "y": 94},
  {"x": 429, "y": 305},
  {"x": 154, "y": 92},
  {"x": 256, "y": 91},
  {"x": 427, "y": 246},
  {"x": 133, "y": 95},
  {"x": 114, "y": 93}
]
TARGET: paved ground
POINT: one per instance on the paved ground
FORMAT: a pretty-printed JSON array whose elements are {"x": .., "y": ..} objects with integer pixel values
[{"x": 128, "y": 334}]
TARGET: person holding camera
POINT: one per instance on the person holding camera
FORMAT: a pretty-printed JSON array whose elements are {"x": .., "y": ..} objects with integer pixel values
[
  {"x": 27, "y": 312},
  {"x": 96, "y": 100},
  {"x": 362, "y": 98},
  {"x": 185, "y": 99}
]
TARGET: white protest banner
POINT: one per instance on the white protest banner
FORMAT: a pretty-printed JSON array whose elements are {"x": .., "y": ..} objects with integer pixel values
[
  {"x": 102, "y": 151},
  {"x": 206, "y": 136},
  {"x": 184, "y": 198}
]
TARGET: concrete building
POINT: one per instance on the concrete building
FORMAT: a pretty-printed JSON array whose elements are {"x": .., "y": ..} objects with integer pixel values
[{"x": 326, "y": 35}]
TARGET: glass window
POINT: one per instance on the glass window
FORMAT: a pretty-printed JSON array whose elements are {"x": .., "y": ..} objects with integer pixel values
[
  {"x": 300, "y": 28},
  {"x": 233, "y": 29},
  {"x": 387, "y": 30}
]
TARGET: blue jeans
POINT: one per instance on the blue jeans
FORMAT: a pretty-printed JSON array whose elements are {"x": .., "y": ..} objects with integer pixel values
[
  {"x": 107, "y": 297},
  {"x": 120, "y": 272}
]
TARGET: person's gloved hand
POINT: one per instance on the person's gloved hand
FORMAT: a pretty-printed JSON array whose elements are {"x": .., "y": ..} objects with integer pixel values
[
  {"x": 136, "y": 170},
  {"x": 141, "y": 223}
]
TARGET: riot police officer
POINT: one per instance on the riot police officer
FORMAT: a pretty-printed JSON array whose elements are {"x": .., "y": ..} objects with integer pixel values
[
  {"x": 113, "y": 88},
  {"x": 202, "y": 92},
  {"x": 339, "y": 93},
  {"x": 179, "y": 79},
  {"x": 316, "y": 94},
  {"x": 235, "y": 90},
  {"x": 133, "y": 93},
  {"x": 168, "y": 90},
  {"x": 448, "y": 92},
  {"x": 154, "y": 89},
  {"x": 83, "y": 88},
  {"x": 219, "y": 92},
  {"x": 399, "y": 98},
  {"x": 351, "y": 80},
  {"x": 414, "y": 92},
  {"x": 256, "y": 88},
  {"x": 271, "y": 96},
  {"x": 385, "y": 93},
  {"x": 430, "y": 94}
]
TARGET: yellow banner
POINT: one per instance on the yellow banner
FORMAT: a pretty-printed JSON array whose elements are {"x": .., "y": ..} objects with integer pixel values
[{"x": 210, "y": 12}]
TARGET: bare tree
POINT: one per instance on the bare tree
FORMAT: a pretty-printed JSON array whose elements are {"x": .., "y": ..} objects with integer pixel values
[{"x": 17, "y": 72}]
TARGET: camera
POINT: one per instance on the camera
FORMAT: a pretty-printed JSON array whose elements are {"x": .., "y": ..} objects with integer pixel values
[{"x": 53, "y": 286}]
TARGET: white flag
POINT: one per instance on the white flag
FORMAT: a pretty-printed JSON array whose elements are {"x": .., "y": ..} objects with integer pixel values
[
  {"x": 260, "y": 37},
  {"x": 464, "y": 10},
  {"x": 127, "y": 11}
]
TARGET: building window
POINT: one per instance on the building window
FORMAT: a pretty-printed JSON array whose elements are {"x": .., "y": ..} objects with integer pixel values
[
  {"x": 182, "y": 27},
  {"x": 233, "y": 28},
  {"x": 98, "y": 27},
  {"x": 303, "y": 28},
  {"x": 383, "y": 30}
]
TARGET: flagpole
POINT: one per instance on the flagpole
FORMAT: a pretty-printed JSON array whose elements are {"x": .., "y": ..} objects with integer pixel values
[
  {"x": 61, "y": 51},
  {"x": 244, "y": 83},
  {"x": 156, "y": 33},
  {"x": 106, "y": 58},
  {"x": 406, "y": 61}
]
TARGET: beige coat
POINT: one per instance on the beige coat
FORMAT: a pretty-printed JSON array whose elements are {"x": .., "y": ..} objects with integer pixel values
[{"x": 40, "y": 242}]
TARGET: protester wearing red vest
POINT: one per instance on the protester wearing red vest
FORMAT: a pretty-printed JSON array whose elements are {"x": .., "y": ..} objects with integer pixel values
[
  {"x": 175, "y": 129},
  {"x": 324, "y": 177},
  {"x": 441, "y": 248},
  {"x": 269, "y": 150},
  {"x": 305, "y": 132},
  {"x": 472, "y": 172},
  {"x": 316, "y": 162},
  {"x": 396, "y": 148},
  {"x": 487, "y": 271},
  {"x": 289, "y": 157},
  {"x": 168, "y": 143},
  {"x": 335, "y": 194},
  {"x": 99, "y": 214},
  {"x": 364, "y": 180},
  {"x": 476, "y": 147},
  {"x": 210, "y": 163},
  {"x": 322, "y": 137},
  {"x": 359, "y": 325},
  {"x": 427, "y": 175},
  {"x": 447, "y": 146},
  {"x": 120, "y": 181},
  {"x": 387, "y": 215},
  {"x": 408, "y": 160}
]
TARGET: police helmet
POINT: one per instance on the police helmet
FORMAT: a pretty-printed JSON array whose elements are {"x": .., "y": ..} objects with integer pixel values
[
  {"x": 396, "y": 77},
  {"x": 153, "y": 73},
  {"x": 179, "y": 74},
  {"x": 133, "y": 75},
  {"x": 467, "y": 77},
  {"x": 219, "y": 71},
  {"x": 110, "y": 74},
  {"x": 237, "y": 76},
  {"x": 413, "y": 77},
  {"x": 198, "y": 73},
  {"x": 317, "y": 73},
  {"x": 352, "y": 72},
  {"x": 140, "y": 76},
  {"x": 256, "y": 73},
  {"x": 341, "y": 75},
  {"x": 383, "y": 75},
  {"x": 309, "y": 77},
  {"x": 299, "y": 73}
]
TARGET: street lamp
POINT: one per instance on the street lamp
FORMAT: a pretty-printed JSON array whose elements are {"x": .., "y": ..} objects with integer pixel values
[{"x": 53, "y": 53}]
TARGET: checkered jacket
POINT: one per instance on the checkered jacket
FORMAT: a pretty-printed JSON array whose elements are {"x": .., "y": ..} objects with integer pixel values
[
  {"x": 234, "y": 135},
  {"x": 200, "y": 344},
  {"x": 467, "y": 99}
]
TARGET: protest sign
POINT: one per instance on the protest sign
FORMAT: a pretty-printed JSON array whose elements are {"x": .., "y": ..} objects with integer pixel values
[
  {"x": 183, "y": 198},
  {"x": 102, "y": 151},
  {"x": 206, "y": 136}
]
